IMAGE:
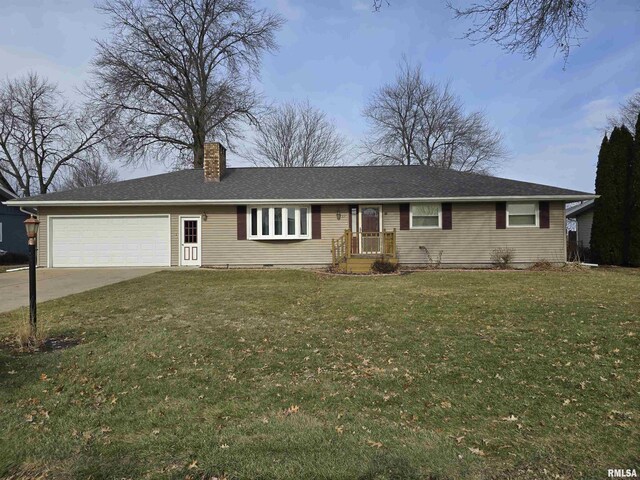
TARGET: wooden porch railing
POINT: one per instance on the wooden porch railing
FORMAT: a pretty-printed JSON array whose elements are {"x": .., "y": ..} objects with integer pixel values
[{"x": 364, "y": 244}]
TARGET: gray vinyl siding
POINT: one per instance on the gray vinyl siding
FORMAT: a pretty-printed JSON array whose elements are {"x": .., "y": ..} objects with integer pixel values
[
  {"x": 220, "y": 246},
  {"x": 174, "y": 212},
  {"x": 583, "y": 229},
  {"x": 474, "y": 236},
  {"x": 470, "y": 242}
]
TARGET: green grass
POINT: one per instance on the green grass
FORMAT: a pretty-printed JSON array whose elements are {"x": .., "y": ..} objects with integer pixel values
[{"x": 429, "y": 375}]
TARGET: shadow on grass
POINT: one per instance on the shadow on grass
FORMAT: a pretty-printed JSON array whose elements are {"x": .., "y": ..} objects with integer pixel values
[
  {"x": 20, "y": 367},
  {"x": 387, "y": 466}
]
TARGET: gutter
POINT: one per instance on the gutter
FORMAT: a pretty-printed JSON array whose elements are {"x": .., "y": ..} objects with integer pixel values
[{"x": 321, "y": 201}]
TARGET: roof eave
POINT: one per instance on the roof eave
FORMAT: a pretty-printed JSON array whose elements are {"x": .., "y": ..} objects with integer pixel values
[
  {"x": 580, "y": 209},
  {"x": 8, "y": 193},
  {"x": 23, "y": 202}
]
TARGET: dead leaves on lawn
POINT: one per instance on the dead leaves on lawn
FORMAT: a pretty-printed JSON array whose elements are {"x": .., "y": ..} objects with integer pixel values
[
  {"x": 510, "y": 418},
  {"x": 477, "y": 451},
  {"x": 292, "y": 410}
]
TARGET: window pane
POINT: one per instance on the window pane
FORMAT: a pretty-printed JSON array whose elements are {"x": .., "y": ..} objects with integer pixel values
[
  {"x": 190, "y": 231},
  {"x": 522, "y": 219},
  {"x": 425, "y": 221},
  {"x": 291, "y": 221},
  {"x": 277, "y": 220},
  {"x": 303, "y": 221},
  {"x": 522, "y": 209},
  {"x": 425, "y": 209},
  {"x": 265, "y": 221},
  {"x": 254, "y": 221}
]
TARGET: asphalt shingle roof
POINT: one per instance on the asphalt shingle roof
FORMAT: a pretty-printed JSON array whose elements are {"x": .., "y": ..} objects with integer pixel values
[{"x": 380, "y": 182}]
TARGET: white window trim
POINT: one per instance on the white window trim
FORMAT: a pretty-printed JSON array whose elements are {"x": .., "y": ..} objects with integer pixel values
[
  {"x": 285, "y": 223},
  {"x": 412, "y": 227},
  {"x": 537, "y": 215}
]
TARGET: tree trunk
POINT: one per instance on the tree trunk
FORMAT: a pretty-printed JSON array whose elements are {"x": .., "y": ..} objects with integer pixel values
[{"x": 198, "y": 149}]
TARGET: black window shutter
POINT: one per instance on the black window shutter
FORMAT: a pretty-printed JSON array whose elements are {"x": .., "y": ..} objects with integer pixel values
[
  {"x": 241, "y": 213},
  {"x": 501, "y": 215},
  {"x": 544, "y": 214},
  {"x": 404, "y": 216},
  {"x": 316, "y": 222},
  {"x": 447, "y": 221}
]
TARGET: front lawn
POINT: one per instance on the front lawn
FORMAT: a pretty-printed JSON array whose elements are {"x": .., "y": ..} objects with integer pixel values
[{"x": 293, "y": 375}]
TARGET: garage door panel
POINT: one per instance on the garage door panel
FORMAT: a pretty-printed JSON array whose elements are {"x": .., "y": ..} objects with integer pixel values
[{"x": 110, "y": 241}]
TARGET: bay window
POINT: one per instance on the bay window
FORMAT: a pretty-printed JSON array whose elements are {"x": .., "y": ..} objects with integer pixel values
[
  {"x": 278, "y": 223},
  {"x": 522, "y": 214}
]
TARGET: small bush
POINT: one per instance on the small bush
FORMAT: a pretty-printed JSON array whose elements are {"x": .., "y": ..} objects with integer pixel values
[
  {"x": 24, "y": 341},
  {"x": 431, "y": 261},
  {"x": 382, "y": 265},
  {"x": 543, "y": 266},
  {"x": 502, "y": 257}
]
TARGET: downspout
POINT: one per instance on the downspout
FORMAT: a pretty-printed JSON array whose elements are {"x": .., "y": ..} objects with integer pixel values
[{"x": 25, "y": 212}]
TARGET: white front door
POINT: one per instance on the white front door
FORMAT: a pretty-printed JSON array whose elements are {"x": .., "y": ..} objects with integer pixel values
[{"x": 190, "y": 241}]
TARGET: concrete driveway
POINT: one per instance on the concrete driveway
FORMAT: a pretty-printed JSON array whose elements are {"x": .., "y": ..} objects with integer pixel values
[{"x": 60, "y": 282}]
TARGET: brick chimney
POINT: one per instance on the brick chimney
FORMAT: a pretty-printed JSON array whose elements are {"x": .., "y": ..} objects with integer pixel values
[{"x": 215, "y": 161}]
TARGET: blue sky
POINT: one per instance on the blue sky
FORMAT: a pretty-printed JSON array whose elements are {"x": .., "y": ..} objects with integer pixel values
[{"x": 337, "y": 52}]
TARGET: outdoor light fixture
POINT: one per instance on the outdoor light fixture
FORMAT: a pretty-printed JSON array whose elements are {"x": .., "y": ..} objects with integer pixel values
[
  {"x": 31, "y": 224},
  {"x": 204, "y": 216},
  {"x": 338, "y": 214}
]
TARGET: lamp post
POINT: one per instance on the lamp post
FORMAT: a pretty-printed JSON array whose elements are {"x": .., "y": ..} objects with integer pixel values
[{"x": 31, "y": 224}]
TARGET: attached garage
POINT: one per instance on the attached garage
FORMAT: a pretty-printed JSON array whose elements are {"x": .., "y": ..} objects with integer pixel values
[{"x": 109, "y": 241}]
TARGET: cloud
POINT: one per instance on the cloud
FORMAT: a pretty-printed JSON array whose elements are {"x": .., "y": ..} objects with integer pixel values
[
  {"x": 288, "y": 10},
  {"x": 361, "y": 6},
  {"x": 597, "y": 111}
]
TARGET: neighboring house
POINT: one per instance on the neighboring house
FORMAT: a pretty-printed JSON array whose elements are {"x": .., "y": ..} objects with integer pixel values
[
  {"x": 13, "y": 238},
  {"x": 298, "y": 216},
  {"x": 583, "y": 215}
]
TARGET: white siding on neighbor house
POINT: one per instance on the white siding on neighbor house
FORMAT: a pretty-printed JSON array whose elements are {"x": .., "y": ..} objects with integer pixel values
[
  {"x": 583, "y": 229},
  {"x": 474, "y": 236}
]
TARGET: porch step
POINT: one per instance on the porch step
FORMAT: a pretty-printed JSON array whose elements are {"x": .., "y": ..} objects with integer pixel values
[{"x": 360, "y": 264}]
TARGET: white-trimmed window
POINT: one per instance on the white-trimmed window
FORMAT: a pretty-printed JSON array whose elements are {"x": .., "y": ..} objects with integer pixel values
[
  {"x": 522, "y": 214},
  {"x": 426, "y": 215},
  {"x": 279, "y": 223}
]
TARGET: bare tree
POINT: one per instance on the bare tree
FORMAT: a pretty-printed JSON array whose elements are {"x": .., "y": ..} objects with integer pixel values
[
  {"x": 628, "y": 113},
  {"x": 88, "y": 174},
  {"x": 296, "y": 135},
  {"x": 178, "y": 73},
  {"x": 523, "y": 26},
  {"x": 41, "y": 134},
  {"x": 377, "y": 4},
  {"x": 6, "y": 185},
  {"x": 416, "y": 121}
]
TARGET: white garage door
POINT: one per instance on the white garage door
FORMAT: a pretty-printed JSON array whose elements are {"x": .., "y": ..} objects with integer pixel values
[{"x": 110, "y": 241}]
